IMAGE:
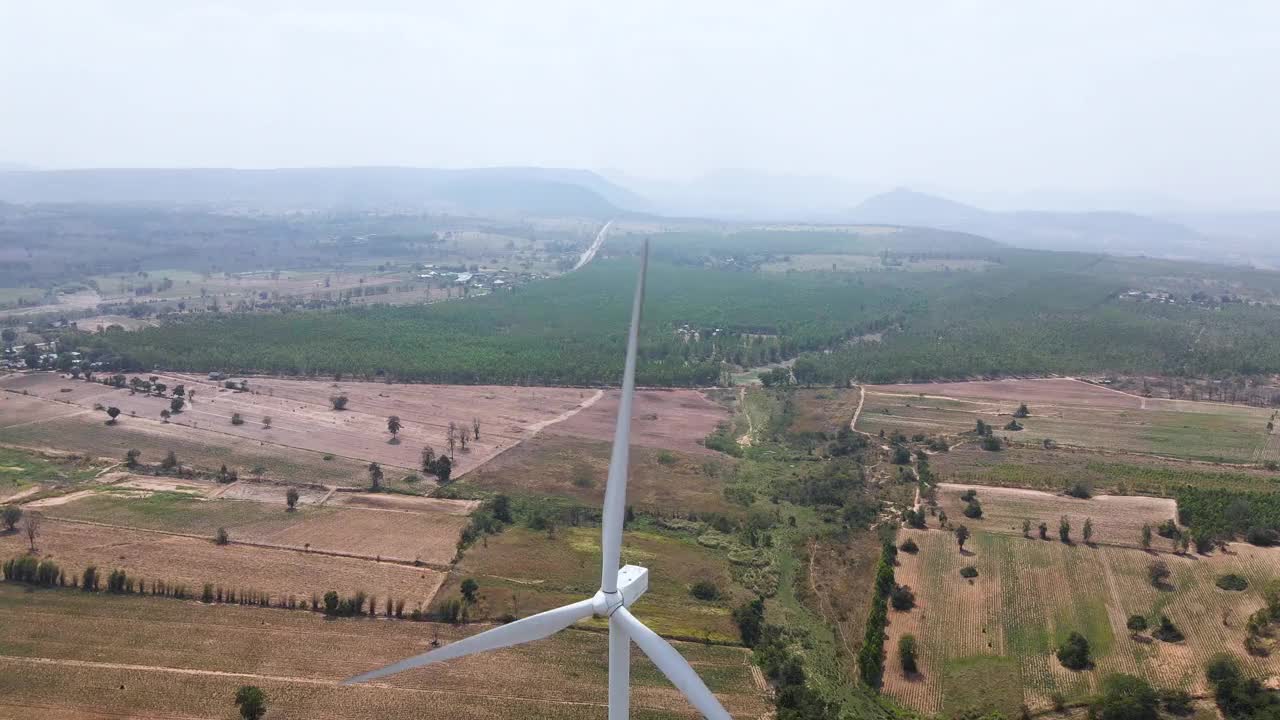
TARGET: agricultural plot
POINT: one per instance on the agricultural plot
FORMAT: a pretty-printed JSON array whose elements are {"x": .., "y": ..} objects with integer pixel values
[
  {"x": 522, "y": 572},
  {"x": 23, "y": 474},
  {"x": 828, "y": 262},
  {"x": 425, "y": 533},
  {"x": 822, "y": 411},
  {"x": 1075, "y": 413},
  {"x": 566, "y": 466},
  {"x": 192, "y": 560},
  {"x": 990, "y": 642},
  {"x": 303, "y": 430},
  {"x": 114, "y": 655},
  {"x": 662, "y": 419},
  {"x": 1116, "y": 519},
  {"x": 1056, "y": 469}
]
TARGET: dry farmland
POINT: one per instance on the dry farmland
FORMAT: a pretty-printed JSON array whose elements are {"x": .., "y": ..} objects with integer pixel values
[
  {"x": 306, "y": 440},
  {"x": 414, "y": 530},
  {"x": 109, "y": 656},
  {"x": 1075, "y": 413},
  {"x": 990, "y": 642},
  {"x": 1117, "y": 519},
  {"x": 574, "y": 467},
  {"x": 663, "y": 419},
  {"x": 193, "y": 561}
]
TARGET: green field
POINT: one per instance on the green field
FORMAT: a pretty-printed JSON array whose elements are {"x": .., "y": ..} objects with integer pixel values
[
  {"x": 21, "y": 470},
  {"x": 1054, "y": 470},
  {"x": 522, "y": 571}
]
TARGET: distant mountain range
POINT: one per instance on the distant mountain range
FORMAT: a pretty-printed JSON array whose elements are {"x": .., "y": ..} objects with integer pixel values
[
  {"x": 528, "y": 191},
  {"x": 1118, "y": 233}
]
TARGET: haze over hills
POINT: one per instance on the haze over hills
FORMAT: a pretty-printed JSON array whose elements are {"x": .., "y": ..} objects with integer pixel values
[
  {"x": 1118, "y": 233},
  {"x": 535, "y": 191}
]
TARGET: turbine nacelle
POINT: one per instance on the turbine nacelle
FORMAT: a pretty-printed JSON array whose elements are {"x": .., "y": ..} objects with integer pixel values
[{"x": 633, "y": 581}]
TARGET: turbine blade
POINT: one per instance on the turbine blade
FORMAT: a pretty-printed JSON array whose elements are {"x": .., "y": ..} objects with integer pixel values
[
  {"x": 675, "y": 667},
  {"x": 615, "y": 494},
  {"x": 534, "y": 627}
]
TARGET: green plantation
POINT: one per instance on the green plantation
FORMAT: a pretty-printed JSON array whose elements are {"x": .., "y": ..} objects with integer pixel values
[
  {"x": 567, "y": 331},
  {"x": 709, "y": 314}
]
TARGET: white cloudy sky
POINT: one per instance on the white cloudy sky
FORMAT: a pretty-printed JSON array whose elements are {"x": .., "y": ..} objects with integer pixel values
[{"x": 1144, "y": 95}]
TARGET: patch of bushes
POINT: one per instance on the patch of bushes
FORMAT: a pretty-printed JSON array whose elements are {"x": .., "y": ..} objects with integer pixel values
[
  {"x": 909, "y": 546},
  {"x": 1167, "y": 631},
  {"x": 1074, "y": 653},
  {"x": 1231, "y": 581},
  {"x": 705, "y": 590},
  {"x": 968, "y": 572}
]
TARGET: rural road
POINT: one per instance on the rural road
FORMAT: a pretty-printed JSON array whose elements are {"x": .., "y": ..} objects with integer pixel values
[{"x": 595, "y": 246}]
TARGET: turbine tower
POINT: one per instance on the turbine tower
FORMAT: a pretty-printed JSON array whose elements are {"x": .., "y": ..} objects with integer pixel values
[{"x": 620, "y": 587}]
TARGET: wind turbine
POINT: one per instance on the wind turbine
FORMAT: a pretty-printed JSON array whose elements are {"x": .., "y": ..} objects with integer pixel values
[{"x": 620, "y": 587}]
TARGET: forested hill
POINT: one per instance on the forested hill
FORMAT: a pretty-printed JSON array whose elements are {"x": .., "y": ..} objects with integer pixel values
[{"x": 1033, "y": 313}]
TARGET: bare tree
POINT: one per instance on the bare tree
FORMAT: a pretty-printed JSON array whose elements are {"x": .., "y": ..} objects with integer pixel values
[
  {"x": 428, "y": 457},
  {"x": 475, "y": 427},
  {"x": 451, "y": 436},
  {"x": 31, "y": 525}
]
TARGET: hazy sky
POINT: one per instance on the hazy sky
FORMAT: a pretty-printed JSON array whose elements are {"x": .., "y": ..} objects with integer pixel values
[{"x": 1155, "y": 96}]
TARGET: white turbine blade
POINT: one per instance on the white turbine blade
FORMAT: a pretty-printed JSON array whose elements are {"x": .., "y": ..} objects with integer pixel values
[
  {"x": 615, "y": 494},
  {"x": 534, "y": 627},
  {"x": 675, "y": 667}
]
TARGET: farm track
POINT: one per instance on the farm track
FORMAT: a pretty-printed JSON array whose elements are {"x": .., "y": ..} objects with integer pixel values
[{"x": 590, "y": 253}]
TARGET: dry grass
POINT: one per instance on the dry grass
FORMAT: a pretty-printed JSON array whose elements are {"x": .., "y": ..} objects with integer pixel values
[
  {"x": 1075, "y": 413},
  {"x": 77, "y": 656},
  {"x": 661, "y": 419},
  {"x": 194, "y": 561},
  {"x": 990, "y": 642},
  {"x": 573, "y": 467},
  {"x": 1117, "y": 520},
  {"x": 304, "y": 427},
  {"x": 823, "y": 411}
]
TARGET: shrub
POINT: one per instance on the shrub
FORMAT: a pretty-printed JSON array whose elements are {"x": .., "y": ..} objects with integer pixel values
[
  {"x": 1166, "y": 631},
  {"x": 221, "y": 537},
  {"x": 469, "y": 588},
  {"x": 1074, "y": 653},
  {"x": 705, "y": 590},
  {"x": 666, "y": 458},
  {"x": 10, "y": 516},
  {"x": 1158, "y": 573},
  {"x": 991, "y": 444},
  {"x": 1232, "y": 582},
  {"x": 1125, "y": 697},
  {"x": 1136, "y": 624},
  {"x": 902, "y": 598},
  {"x": 252, "y": 702},
  {"x": 909, "y": 546},
  {"x": 1263, "y": 537},
  {"x": 973, "y": 510},
  {"x": 237, "y": 419},
  {"x": 968, "y": 495},
  {"x": 969, "y": 572},
  {"x": 339, "y": 402},
  {"x": 1176, "y": 702},
  {"x": 1080, "y": 489},
  {"x": 907, "y": 654}
]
